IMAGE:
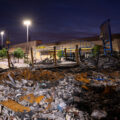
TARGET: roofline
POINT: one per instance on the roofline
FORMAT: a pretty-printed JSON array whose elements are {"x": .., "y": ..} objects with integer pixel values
[
  {"x": 24, "y": 42},
  {"x": 93, "y": 38}
]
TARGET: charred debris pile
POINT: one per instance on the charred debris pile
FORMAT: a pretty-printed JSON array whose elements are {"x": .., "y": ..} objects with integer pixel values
[{"x": 89, "y": 91}]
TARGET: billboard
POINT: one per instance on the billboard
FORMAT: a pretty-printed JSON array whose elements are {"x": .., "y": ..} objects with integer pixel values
[
  {"x": 105, "y": 30},
  {"x": 105, "y": 36}
]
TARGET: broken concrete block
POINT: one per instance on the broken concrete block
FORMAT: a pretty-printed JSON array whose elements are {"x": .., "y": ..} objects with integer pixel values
[{"x": 99, "y": 114}]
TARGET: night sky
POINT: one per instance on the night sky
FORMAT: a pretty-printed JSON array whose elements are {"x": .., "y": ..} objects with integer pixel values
[{"x": 56, "y": 20}]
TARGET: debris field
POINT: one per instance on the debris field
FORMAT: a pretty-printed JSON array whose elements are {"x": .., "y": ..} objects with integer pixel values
[{"x": 60, "y": 94}]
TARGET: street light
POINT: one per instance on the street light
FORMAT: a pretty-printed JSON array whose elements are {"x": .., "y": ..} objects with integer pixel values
[
  {"x": 27, "y": 23},
  {"x": 2, "y": 35}
]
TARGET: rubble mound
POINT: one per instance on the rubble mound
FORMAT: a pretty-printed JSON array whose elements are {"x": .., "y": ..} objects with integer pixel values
[{"x": 47, "y": 95}]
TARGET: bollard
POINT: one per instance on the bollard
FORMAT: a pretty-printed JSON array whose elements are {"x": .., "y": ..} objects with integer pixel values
[
  {"x": 76, "y": 55},
  {"x": 32, "y": 58},
  {"x": 65, "y": 51},
  {"x": 55, "y": 56}
]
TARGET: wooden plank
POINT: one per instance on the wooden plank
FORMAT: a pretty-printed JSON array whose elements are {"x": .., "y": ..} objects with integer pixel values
[
  {"x": 55, "y": 62},
  {"x": 77, "y": 55},
  {"x": 65, "y": 51},
  {"x": 32, "y": 58},
  {"x": 8, "y": 57}
]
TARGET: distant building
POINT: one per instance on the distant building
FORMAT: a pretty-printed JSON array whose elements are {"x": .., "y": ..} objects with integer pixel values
[
  {"x": 42, "y": 51},
  {"x": 86, "y": 44},
  {"x": 31, "y": 44}
]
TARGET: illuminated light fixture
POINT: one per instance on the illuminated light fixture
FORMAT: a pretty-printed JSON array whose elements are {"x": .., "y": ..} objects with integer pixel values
[
  {"x": 2, "y": 35},
  {"x": 2, "y": 32},
  {"x": 27, "y": 22}
]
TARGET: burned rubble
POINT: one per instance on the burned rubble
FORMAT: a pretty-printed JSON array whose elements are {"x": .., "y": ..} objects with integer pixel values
[{"x": 62, "y": 95}]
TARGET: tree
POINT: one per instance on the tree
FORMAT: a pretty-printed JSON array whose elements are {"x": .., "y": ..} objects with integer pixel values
[
  {"x": 18, "y": 53},
  {"x": 96, "y": 49},
  {"x": 60, "y": 53},
  {"x": 3, "y": 53}
]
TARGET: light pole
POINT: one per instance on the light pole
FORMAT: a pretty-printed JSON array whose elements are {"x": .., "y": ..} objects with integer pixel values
[
  {"x": 27, "y": 23},
  {"x": 2, "y": 36}
]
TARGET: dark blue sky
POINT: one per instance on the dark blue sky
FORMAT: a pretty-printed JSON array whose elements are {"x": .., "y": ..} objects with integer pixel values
[{"x": 57, "y": 19}]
